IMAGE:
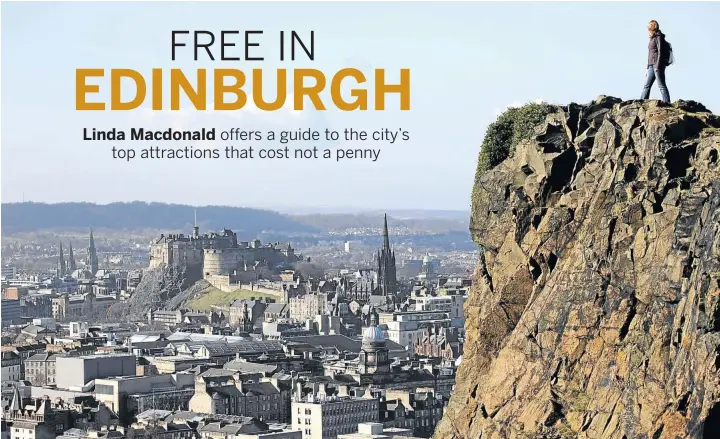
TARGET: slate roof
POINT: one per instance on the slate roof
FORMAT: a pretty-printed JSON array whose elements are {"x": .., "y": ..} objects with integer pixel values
[
  {"x": 224, "y": 349},
  {"x": 43, "y": 356},
  {"x": 344, "y": 343},
  {"x": 249, "y": 426},
  {"x": 276, "y": 308},
  {"x": 253, "y": 389},
  {"x": 248, "y": 367}
]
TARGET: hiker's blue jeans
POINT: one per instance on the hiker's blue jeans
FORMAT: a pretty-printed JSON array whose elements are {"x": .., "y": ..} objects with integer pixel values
[{"x": 650, "y": 77}]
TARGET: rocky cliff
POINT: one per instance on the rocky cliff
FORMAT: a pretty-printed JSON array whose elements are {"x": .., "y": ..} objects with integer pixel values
[{"x": 595, "y": 311}]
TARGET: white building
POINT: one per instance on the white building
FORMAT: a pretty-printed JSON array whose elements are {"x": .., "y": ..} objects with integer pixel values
[
  {"x": 406, "y": 327},
  {"x": 375, "y": 430},
  {"x": 319, "y": 416},
  {"x": 453, "y": 305}
]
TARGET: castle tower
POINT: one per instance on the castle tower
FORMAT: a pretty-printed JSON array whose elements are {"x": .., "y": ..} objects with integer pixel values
[
  {"x": 91, "y": 261},
  {"x": 71, "y": 259},
  {"x": 61, "y": 269},
  {"x": 387, "y": 276}
]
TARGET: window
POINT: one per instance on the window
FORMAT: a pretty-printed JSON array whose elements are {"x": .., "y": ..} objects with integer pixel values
[{"x": 104, "y": 389}]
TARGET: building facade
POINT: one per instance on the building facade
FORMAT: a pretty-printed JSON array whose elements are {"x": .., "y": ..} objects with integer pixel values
[
  {"x": 40, "y": 369},
  {"x": 325, "y": 417}
]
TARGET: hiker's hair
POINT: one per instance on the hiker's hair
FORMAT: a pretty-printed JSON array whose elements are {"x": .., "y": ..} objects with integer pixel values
[{"x": 653, "y": 26}]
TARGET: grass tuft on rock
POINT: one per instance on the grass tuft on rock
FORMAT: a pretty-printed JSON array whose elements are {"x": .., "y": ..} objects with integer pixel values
[
  {"x": 511, "y": 127},
  {"x": 502, "y": 136}
]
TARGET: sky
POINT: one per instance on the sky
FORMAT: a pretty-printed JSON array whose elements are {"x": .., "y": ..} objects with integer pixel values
[{"x": 468, "y": 62}]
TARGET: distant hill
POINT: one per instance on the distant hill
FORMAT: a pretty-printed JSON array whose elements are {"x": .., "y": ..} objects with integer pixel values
[
  {"x": 27, "y": 217},
  {"x": 429, "y": 224}
]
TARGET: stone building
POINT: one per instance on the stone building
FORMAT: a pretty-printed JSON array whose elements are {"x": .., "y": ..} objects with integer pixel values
[
  {"x": 308, "y": 306},
  {"x": 242, "y": 309},
  {"x": 419, "y": 410},
  {"x": 40, "y": 369},
  {"x": 219, "y": 257},
  {"x": 220, "y": 391},
  {"x": 373, "y": 368},
  {"x": 276, "y": 311},
  {"x": 24, "y": 351},
  {"x": 67, "y": 306},
  {"x": 34, "y": 421},
  {"x": 324, "y": 415},
  {"x": 440, "y": 342},
  {"x": 11, "y": 366},
  {"x": 181, "y": 250}
]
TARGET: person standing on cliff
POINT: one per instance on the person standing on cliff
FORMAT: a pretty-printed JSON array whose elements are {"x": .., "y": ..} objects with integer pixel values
[{"x": 658, "y": 54}]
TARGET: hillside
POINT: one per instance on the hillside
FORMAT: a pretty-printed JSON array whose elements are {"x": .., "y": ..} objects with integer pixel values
[
  {"x": 23, "y": 217},
  {"x": 595, "y": 311},
  {"x": 212, "y": 297},
  {"x": 338, "y": 222}
]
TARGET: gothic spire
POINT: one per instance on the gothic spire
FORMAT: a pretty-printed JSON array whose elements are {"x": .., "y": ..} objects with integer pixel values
[
  {"x": 92, "y": 260},
  {"x": 387, "y": 277},
  {"x": 386, "y": 235},
  {"x": 61, "y": 263},
  {"x": 71, "y": 258}
]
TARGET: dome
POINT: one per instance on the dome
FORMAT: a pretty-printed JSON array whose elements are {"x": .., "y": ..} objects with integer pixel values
[{"x": 373, "y": 335}]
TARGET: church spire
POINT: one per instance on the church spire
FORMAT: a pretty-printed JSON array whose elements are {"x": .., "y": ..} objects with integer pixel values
[
  {"x": 91, "y": 263},
  {"x": 386, "y": 235},
  {"x": 387, "y": 276},
  {"x": 61, "y": 263},
  {"x": 71, "y": 257}
]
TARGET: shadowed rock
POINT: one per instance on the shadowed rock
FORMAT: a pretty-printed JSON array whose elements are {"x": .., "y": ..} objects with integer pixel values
[{"x": 595, "y": 311}]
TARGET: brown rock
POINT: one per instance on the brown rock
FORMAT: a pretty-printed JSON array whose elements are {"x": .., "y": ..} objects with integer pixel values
[{"x": 595, "y": 311}]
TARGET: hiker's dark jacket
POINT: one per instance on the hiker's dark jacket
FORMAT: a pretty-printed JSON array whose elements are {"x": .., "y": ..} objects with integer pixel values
[{"x": 656, "y": 51}]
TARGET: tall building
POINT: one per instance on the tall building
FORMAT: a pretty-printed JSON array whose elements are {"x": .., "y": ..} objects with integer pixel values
[
  {"x": 387, "y": 276},
  {"x": 91, "y": 261},
  {"x": 71, "y": 260}
]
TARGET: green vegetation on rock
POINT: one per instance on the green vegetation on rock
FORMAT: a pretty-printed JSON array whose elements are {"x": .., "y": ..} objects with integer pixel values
[
  {"x": 503, "y": 135},
  {"x": 212, "y": 296}
]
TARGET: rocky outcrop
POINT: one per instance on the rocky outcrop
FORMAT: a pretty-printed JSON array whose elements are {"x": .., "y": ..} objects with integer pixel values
[
  {"x": 164, "y": 287},
  {"x": 595, "y": 311}
]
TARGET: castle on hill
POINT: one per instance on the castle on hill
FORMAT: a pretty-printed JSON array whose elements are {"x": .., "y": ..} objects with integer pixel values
[{"x": 219, "y": 257}]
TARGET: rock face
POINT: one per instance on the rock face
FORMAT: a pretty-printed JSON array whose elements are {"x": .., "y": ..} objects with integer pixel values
[
  {"x": 163, "y": 287},
  {"x": 595, "y": 311}
]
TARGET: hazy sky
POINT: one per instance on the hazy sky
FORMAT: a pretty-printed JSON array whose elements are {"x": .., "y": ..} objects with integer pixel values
[{"x": 468, "y": 62}]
